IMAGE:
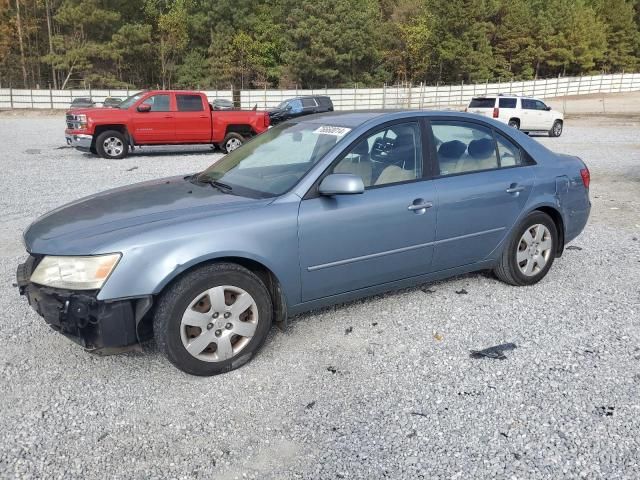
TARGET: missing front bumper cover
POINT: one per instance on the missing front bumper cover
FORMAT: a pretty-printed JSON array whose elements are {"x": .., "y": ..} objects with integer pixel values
[{"x": 94, "y": 324}]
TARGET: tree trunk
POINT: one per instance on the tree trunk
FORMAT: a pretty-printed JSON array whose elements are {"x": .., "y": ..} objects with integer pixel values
[
  {"x": 23, "y": 62},
  {"x": 53, "y": 69}
]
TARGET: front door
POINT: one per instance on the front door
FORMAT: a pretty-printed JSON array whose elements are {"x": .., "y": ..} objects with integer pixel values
[
  {"x": 156, "y": 125},
  {"x": 349, "y": 242},
  {"x": 481, "y": 192}
]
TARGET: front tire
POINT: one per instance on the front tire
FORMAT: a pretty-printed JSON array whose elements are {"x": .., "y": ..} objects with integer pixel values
[
  {"x": 556, "y": 130},
  {"x": 231, "y": 142},
  {"x": 112, "y": 145},
  {"x": 530, "y": 251},
  {"x": 213, "y": 320}
]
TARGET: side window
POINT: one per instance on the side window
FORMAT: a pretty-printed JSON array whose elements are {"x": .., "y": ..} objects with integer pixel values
[
  {"x": 464, "y": 147},
  {"x": 308, "y": 102},
  {"x": 528, "y": 104},
  {"x": 509, "y": 153},
  {"x": 390, "y": 155},
  {"x": 507, "y": 103},
  {"x": 159, "y": 103},
  {"x": 189, "y": 103},
  {"x": 540, "y": 105},
  {"x": 296, "y": 106}
]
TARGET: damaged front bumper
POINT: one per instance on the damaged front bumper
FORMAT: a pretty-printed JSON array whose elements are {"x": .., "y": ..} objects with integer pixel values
[{"x": 100, "y": 326}]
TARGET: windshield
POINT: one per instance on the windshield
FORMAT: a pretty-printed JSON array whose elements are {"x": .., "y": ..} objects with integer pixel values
[
  {"x": 127, "y": 102},
  {"x": 282, "y": 105},
  {"x": 274, "y": 161}
]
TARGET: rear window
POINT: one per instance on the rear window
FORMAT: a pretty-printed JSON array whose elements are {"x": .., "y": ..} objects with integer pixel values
[
  {"x": 508, "y": 102},
  {"x": 482, "y": 103},
  {"x": 189, "y": 103}
]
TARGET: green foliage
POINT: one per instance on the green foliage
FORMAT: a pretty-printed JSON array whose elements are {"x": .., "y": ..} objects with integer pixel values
[{"x": 310, "y": 43}]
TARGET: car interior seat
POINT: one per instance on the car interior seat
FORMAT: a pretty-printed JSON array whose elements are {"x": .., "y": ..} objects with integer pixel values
[
  {"x": 450, "y": 155},
  {"x": 402, "y": 160},
  {"x": 357, "y": 163},
  {"x": 482, "y": 155}
]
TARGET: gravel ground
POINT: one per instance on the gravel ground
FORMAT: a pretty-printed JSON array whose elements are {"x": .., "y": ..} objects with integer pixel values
[{"x": 380, "y": 388}]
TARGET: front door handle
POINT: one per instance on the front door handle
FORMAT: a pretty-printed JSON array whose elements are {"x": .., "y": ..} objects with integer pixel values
[
  {"x": 420, "y": 205},
  {"x": 515, "y": 188}
]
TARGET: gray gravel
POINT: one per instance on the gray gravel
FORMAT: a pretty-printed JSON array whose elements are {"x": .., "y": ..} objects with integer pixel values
[{"x": 396, "y": 397}]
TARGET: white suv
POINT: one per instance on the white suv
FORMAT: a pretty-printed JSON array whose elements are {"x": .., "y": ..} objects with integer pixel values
[{"x": 524, "y": 113}]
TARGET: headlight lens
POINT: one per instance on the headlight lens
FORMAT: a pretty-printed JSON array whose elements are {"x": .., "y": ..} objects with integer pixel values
[{"x": 77, "y": 273}]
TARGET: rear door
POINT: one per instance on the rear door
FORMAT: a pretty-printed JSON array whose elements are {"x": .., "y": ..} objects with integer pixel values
[
  {"x": 192, "y": 118},
  {"x": 482, "y": 187},
  {"x": 156, "y": 125},
  {"x": 309, "y": 105}
]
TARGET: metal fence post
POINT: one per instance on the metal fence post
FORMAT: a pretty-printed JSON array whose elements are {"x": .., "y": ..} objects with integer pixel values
[
  {"x": 384, "y": 96},
  {"x": 461, "y": 91},
  {"x": 50, "y": 97},
  {"x": 11, "y": 97},
  {"x": 31, "y": 96}
]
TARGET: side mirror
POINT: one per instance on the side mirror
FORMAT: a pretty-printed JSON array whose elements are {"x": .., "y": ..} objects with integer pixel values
[
  {"x": 341, "y": 184},
  {"x": 548, "y": 109},
  {"x": 289, "y": 107},
  {"x": 144, "y": 107}
]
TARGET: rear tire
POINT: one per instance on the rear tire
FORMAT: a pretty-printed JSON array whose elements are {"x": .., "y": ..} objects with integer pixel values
[
  {"x": 556, "y": 130},
  {"x": 231, "y": 142},
  {"x": 112, "y": 145},
  {"x": 530, "y": 251},
  {"x": 197, "y": 328}
]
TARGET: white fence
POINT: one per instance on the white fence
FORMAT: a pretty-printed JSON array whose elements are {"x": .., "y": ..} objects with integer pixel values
[{"x": 401, "y": 96}]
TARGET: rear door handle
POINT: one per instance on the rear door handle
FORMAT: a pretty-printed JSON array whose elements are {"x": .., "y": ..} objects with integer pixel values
[
  {"x": 419, "y": 206},
  {"x": 515, "y": 188}
]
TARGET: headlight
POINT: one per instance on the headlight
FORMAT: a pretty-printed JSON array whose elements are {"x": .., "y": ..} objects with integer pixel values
[
  {"x": 82, "y": 120},
  {"x": 76, "y": 273}
]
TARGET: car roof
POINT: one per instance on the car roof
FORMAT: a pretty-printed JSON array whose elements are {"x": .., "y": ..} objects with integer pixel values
[{"x": 355, "y": 118}]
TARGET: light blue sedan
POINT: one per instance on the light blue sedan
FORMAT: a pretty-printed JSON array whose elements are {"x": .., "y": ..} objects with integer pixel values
[{"x": 314, "y": 212}]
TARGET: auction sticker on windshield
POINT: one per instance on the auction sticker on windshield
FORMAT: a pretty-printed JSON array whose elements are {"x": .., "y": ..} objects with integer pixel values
[{"x": 329, "y": 130}]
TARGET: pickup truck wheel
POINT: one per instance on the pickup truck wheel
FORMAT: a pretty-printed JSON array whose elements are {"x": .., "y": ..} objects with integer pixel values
[
  {"x": 231, "y": 142},
  {"x": 112, "y": 144},
  {"x": 213, "y": 320}
]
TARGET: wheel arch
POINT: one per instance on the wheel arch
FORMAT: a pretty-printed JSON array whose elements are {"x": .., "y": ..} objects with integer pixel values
[
  {"x": 243, "y": 129},
  {"x": 556, "y": 216},
  {"x": 116, "y": 126},
  {"x": 262, "y": 271}
]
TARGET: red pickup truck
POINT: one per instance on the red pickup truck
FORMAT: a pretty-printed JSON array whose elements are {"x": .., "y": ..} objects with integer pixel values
[{"x": 160, "y": 117}]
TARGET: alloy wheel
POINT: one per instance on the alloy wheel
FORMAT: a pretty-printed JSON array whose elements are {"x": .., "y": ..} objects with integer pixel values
[
  {"x": 113, "y": 146},
  {"x": 232, "y": 144},
  {"x": 534, "y": 250},
  {"x": 219, "y": 323}
]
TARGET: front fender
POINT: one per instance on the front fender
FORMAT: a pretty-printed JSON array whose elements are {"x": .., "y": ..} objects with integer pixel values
[{"x": 151, "y": 260}]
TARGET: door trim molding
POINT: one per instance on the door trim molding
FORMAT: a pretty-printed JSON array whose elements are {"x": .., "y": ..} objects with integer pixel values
[{"x": 346, "y": 261}]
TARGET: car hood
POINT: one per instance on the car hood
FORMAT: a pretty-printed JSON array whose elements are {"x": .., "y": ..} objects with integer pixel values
[{"x": 125, "y": 207}]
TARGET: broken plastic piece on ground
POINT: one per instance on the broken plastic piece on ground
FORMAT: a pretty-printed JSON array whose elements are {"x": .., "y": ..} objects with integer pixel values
[
  {"x": 438, "y": 336},
  {"x": 574, "y": 247},
  {"x": 348, "y": 330},
  {"x": 605, "y": 411},
  {"x": 461, "y": 292},
  {"x": 493, "y": 352}
]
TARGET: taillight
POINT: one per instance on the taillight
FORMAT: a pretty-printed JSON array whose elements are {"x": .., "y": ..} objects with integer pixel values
[
  {"x": 496, "y": 112},
  {"x": 267, "y": 119},
  {"x": 586, "y": 177}
]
